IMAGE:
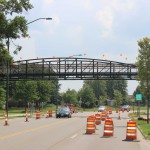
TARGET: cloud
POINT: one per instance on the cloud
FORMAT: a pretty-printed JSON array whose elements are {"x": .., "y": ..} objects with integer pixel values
[
  {"x": 105, "y": 18},
  {"x": 110, "y": 11}
]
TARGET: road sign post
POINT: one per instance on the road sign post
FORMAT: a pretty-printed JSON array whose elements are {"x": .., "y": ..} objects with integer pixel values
[{"x": 138, "y": 98}]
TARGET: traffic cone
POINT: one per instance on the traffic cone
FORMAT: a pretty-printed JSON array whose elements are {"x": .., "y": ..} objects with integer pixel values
[
  {"x": 119, "y": 115},
  {"x": 47, "y": 115},
  {"x": 6, "y": 122},
  {"x": 27, "y": 118}
]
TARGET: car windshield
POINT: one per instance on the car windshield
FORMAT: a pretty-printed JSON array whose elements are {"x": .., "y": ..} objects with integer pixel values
[{"x": 63, "y": 110}]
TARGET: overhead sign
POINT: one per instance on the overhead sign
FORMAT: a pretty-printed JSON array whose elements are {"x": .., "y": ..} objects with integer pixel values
[{"x": 138, "y": 97}]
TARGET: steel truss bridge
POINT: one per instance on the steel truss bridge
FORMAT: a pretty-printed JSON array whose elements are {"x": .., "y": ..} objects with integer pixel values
[{"x": 66, "y": 68}]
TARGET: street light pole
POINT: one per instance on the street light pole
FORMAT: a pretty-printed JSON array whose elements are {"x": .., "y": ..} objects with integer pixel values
[
  {"x": 38, "y": 19},
  {"x": 7, "y": 78}
]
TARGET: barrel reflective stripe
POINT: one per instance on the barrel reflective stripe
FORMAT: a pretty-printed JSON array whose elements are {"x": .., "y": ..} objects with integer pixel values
[
  {"x": 129, "y": 134},
  {"x": 106, "y": 125},
  {"x": 108, "y": 131},
  {"x": 97, "y": 117},
  {"x": 131, "y": 128},
  {"x": 90, "y": 123},
  {"x": 90, "y": 128},
  {"x": 131, "y": 131}
]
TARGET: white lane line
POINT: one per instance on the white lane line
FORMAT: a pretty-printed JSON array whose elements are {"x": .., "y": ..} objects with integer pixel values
[{"x": 73, "y": 136}]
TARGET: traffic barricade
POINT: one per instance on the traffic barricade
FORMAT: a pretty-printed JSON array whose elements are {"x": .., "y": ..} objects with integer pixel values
[
  {"x": 110, "y": 111},
  {"x": 38, "y": 114},
  {"x": 108, "y": 127},
  {"x": 6, "y": 118},
  {"x": 104, "y": 115},
  {"x": 117, "y": 110},
  {"x": 90, "y": 127},
  {"x": 50, "y": 112},
  {"x": 131, "y": 132},
  {"x": 97, "y": 119},
  {"x": 122, "y": 109},
  {"x": 47, "y": 115},
  {"x": 26, "y": 117}
]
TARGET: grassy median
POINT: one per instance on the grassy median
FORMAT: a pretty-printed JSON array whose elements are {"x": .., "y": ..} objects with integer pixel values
[{"x": 142, "y": 124}]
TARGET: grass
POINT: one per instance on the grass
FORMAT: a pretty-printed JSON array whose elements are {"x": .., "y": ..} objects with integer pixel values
[{"x": 142, "y": 125}]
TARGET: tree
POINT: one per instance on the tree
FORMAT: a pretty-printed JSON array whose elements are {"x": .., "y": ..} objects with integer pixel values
[
  {"x": 2, "y": 96},
  {"x": 120, "y": 85},
  {"x": 143, "y": 61},
  {"x": 98, "y": 86},
  {"x": 44, "y": 89},
  {"x": 70, "y": 97},
  {"x": 87, "y": 96},
  {"x": 117, "y": 98},
  {"x": 12, "y": 24},
  {"x": 26, "y": 91}
]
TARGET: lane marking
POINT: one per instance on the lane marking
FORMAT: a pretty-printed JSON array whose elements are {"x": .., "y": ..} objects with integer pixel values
[
  {"x": 72, "y": 137},
  {"x": 28, "y": 131}
]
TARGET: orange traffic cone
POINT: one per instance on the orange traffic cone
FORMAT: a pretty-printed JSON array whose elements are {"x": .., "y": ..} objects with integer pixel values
[
  {"x": 27, "y": 118},
  {"x": 47, "y": 115},
  {"x": 6, "y": 122},
  {"x": 119, "y": 115}
]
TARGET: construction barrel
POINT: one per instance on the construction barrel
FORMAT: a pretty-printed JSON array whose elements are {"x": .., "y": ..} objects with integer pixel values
[
  {"x": 97, "y": 119},
  {"x": 50, "y": 113},
  {"x": 38, "y": 114},
  {"x": 131, "y": 132},
  {"x": 90, "y": 127},
  {"x": 104, "y": 115},
  {"x": 108, "y": 127}
]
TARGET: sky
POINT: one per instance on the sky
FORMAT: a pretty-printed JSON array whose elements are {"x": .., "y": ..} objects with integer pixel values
[{"x": 100, "y": 29}]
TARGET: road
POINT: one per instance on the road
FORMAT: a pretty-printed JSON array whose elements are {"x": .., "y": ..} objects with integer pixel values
[{"x": 66, "y": 134}]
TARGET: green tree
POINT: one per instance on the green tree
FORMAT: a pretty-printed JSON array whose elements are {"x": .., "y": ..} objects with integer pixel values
[
  {"x": 143, "y": 65},
  {"x": 120, "y": 85},
  {"x": 12, "y": 22},
  {"x": 26, "y": 91},
  {"x": 98, "y": 86},
  {"x": 87, "y": 96},
  {"x": 2, "y": 97},
  {"x": 70, "y": 97},
  {"x": 44, "y": 89},
  {"x": 117, "y": 98}
]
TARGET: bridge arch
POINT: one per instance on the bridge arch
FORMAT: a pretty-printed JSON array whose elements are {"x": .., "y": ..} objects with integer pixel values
[{"x": 67, "y": 68}]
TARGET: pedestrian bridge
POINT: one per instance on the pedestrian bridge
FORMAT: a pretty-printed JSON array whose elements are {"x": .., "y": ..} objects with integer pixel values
[{"x": 67, "y": 68}]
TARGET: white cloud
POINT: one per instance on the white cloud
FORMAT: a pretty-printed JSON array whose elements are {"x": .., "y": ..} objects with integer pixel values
[{"x": 110, "y": 10}]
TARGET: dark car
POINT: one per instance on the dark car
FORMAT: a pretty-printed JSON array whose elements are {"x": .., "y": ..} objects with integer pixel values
[{"x": 63, "y": 112}]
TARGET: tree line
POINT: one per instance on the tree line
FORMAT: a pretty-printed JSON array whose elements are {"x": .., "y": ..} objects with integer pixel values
[{"x": 98, "y": 92}]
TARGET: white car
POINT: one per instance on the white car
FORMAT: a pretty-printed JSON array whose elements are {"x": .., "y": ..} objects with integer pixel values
[{"x": 101, "y": 108}]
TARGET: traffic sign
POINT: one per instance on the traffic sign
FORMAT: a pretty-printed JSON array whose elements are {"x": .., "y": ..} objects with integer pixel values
[{"x": 138, "y": 97}]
